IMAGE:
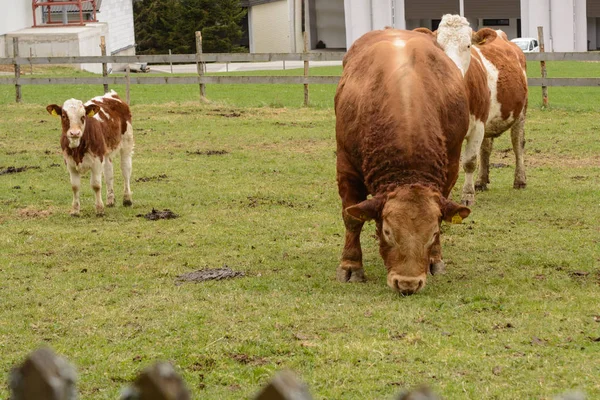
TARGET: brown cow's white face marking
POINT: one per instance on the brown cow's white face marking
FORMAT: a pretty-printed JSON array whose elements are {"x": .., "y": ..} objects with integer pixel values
[{"x": 454, "y": 35}]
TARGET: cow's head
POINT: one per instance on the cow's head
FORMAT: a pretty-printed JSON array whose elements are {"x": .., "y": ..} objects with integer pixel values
[
  {"x": 408, "y": 226},
  {"x": 73, "y": 115},
  {"x": 455, "y": 37}
]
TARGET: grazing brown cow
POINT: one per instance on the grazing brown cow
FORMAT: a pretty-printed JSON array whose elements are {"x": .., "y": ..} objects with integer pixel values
[
  {"x": 401, "y": 116},
  {"x": 92, "y": 133},
  {"x": 496, "y": 81}
]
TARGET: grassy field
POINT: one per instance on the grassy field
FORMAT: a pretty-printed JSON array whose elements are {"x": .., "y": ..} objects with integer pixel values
[{"x": 516, "y": 316}]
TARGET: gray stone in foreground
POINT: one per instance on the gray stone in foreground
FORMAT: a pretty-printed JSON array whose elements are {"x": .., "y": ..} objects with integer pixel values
[
  {"x": 284, "y": 386},
  {"x": 43, "y": 376},
  {"x": 157, "y": 382}
]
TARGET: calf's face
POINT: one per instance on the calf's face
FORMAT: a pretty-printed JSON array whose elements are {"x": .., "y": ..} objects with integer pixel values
[
  {"x": 73, "y": 115},
  {"x": 408, "y": 227}
]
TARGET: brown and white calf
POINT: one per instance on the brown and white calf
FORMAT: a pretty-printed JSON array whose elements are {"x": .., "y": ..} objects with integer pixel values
[
  {"x": 92, "y": 133},
  {"x": 494, "y": 70}
]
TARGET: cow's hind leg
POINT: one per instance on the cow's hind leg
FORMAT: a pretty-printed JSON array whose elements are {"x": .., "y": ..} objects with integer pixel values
[
  {"x": 483, "y": 176},
  {"x": 75, "y": 186},
  {"x": 96, "y": 183},
  {"x": 351, "y": 267},
  {"x": 109, "y": 179},
  {"x": 126, "y": 164},
  {"x": 473, "y": 144},
  {"x": 517, "y": 135}
]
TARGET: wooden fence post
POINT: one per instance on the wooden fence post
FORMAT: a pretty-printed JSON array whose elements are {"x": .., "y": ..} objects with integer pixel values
[
  {"x": 199, "y": 65},
  {"x": 170, "y": 61},
  {"x": 158, "y": 382},
  {"x": 104, "y": 67},
  {"x": 128, "y": 84},
  {"x": 17, "y": 69},
  {"x": 43, "y": 375},
  {"x": 305, "y": 68},
  {"x": 540, "y": 30}
]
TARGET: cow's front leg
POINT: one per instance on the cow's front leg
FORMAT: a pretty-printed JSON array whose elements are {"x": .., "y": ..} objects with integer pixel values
[
  {"x": 517, "y": 135},
  {"x": 75, "y": 186},
  {"x": 483, "y": 177},
  {"x": 109, "y": 179},
  {"x": 350, "y": 268},
  {"x": 96, "y": 183},
  {"x": 473, "y": 139}
]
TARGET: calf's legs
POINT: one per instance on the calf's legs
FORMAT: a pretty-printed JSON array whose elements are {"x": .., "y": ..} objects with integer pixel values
[
  {"x": 75, "y": 186},
  {"x": 109, "y": 178},
  {"x": 517, "y": 136}
]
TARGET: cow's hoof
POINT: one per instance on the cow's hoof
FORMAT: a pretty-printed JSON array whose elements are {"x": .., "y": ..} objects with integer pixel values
[
  {"x": 437, "y": 268},
  {"x": 350, "y": 275},
  {"x": 468, "y": 200},
  {"x": 74, "y": 213},
  {"x": 519, "y": 185},
  {"x": 127, "y": 203},
  {"x": 481, "y": 187}
]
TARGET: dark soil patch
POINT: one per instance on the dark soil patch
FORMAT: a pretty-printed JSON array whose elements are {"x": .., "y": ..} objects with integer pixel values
[
  {"x": 225, "y": 113},
  {"x": 246, "y": 359},
  {"x": 299, "y": 124},
  {"x": 498, "y": 165},
  {"x": 254, "y": 202},
  {"x": 156, "y": 215},
  {"x": 53, "y": 165},
  {"x": 208, "y": 152},
  {"x": 14, "y": 170},
  {"x": 180, "y": 112},
  {"x": 208, "y": 274},
  {"x": 157, "y": 178}
]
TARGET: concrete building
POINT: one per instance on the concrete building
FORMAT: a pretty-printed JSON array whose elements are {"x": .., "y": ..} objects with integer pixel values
[
  {"x": 277, "y": 25},
  {"x": 114, "y": 22}
]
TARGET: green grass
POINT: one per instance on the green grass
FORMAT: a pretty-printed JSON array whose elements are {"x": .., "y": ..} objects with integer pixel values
[{"x": 512, "y": 318}]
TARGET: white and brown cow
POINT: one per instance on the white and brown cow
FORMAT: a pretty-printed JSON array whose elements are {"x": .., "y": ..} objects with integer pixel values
[
  {"x": 92, "y": 133},
  {"x": 401, "y": 117},
  {"x": 495, "y": 74}
]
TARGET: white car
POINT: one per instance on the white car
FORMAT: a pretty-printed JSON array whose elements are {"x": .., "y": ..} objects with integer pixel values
[{"x": 528, "y": 45}]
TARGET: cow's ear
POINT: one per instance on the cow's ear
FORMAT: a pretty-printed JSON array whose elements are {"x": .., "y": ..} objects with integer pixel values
[
  {"x": 483, "y": 36},
  {"x": 54, "y": 109},
  {"x": 452, "y": 212},
  {"x": 368, "y": 209},
  {"x": 425, "y": 31},
  {"x": 91, "y": 110}
]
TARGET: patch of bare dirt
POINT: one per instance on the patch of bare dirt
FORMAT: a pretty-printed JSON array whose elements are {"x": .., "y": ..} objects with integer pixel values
[
  {"x": 15, "y": 170},
  {"x": 32, "y": 212},
  {"x": 208, "y": 152},
  {"x": 251, "y": 360},
  {"x": 208, "y": 274},
  {"x": 156, "y": 178},
  {"x": 157, "y": 214},
  {"x": 542, "y": 160},
  {"x": 225, "y": 113}
]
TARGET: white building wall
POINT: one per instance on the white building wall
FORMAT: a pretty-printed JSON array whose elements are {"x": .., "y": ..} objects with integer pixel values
[
  {"x": 15, "y": 15},
  {"x": 118, "y": 14},
  {"x": 331, "y": 26},
  {"x": 269, "y": 28},
  {"x": 564, "y": 22}
]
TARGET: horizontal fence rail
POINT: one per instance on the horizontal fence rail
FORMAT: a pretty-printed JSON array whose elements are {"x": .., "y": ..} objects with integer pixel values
[
  {"x": 252, "y": 80},
  {"x": 246, "y": 57},
  {"x": 202, "y": 79}
]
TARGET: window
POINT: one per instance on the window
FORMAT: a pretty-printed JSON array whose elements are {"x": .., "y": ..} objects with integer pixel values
[{"x": 496, "y": 22}]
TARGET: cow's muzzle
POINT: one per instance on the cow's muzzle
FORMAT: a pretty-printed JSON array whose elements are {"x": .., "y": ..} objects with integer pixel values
[{"x": 405, "y": 285}]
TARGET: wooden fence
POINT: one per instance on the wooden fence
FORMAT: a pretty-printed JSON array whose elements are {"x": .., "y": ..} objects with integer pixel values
[{"x": 202, "y": 79}]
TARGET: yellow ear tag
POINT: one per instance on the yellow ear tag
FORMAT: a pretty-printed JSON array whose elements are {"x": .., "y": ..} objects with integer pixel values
[
  {"x": 91, "y": 113},
  {"x": 54, "y": 113},
  {"x": 457, "y": 219}
]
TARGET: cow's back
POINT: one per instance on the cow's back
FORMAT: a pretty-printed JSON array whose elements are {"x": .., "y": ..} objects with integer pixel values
[
  {"x": 110, "y": 124},
  {"x": 401, "y": 112}
]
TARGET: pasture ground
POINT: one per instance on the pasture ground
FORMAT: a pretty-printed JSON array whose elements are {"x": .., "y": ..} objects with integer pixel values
[{"x": 252, "y": 178}]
